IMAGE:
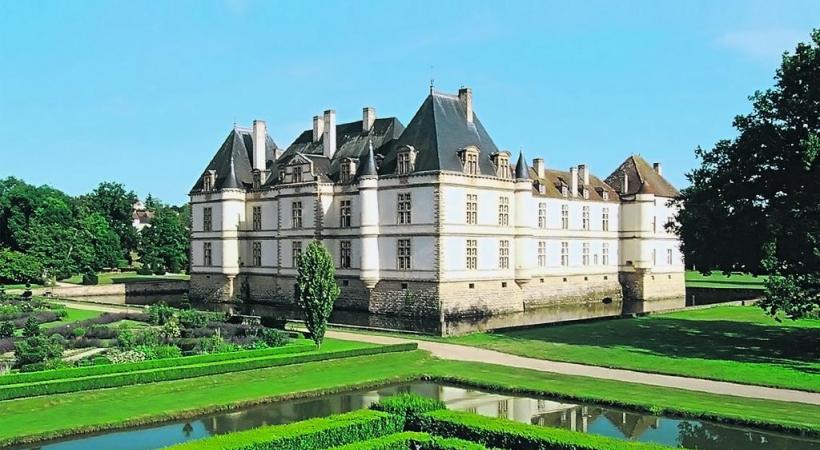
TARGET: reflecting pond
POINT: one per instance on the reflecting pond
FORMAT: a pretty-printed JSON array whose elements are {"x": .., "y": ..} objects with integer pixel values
[{"x": 586, "y": 418}]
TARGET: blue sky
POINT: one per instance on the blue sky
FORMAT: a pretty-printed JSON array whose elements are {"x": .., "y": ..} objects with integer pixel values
[{"x": 144, "y": 92}]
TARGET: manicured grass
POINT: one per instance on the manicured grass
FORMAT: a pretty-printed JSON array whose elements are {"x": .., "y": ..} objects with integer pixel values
[
  {"x": 141, "y": 404},
  {"x": 730, "y": 343},
  {"x": 127, "y": 277},
  {"x": 74, "y": 315},
  {"x": 718, "y": 280},
  {"x": 9, "y": 287}
]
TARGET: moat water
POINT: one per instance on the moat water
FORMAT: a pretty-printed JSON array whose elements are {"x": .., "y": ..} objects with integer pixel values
[{"x": 587, "y": 418}]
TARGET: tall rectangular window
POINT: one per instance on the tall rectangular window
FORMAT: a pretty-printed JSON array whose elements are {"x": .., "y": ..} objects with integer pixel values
[
  {"x": 472, "y": 163},
  {"x": 404, "y": 208},
  {"x": 669, "y": 256},
  {"x": 585, "y": 218},
  {"x": 344, "y": 254},
  {"x": 296, "y": 215},
  {"x": 565, "y": 217},
  {"x": 403, "y": 253},
  {"x": 257, "y": 218},
  {"x": 585, "y": 254},
  {"x": 504, "y": 254},
  {"x": 542, "y": 253},
  {"x": 207, "y": 219},
  {"x": 404, "y": 163},
  {"x": 257, "y": 254},
  {"x": 542, "y": 215},
  {"x": 297, "y": 174},
  {"x": 207, "y": 256},
  {"x": 472, "y": 254},
  {"x": 296, "y": 252},
  {"x": 605, "y": 254},
  {"x": 347, "y": 171},
  {"x": 344, "y": 214},
  {"x": 472, "y": 209},
  {"x": 605, "y": 219},
  {"x": 565, "y": 253},
  {"x": 503, "y": 211}
]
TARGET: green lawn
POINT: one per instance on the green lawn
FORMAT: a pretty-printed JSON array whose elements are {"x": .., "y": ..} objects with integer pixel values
[
  {"x": 718, "y": 280},
  {"x": 732, "y": 343},
  {"x": 74, "y": 315},
  {"x": 127, "y": 277},
  {"x": 141, "y": 404}
]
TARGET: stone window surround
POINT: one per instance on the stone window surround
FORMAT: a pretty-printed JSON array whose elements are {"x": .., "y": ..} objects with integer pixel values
[
  {"x": 344, "y": 254},
  {"x": 207, "y": 219},
  {"x": 296, "y": 214},
  {"x": 403, "y": 254}
]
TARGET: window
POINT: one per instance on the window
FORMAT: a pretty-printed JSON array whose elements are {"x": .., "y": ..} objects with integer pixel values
[
  {"x": 669, "y": 256},
  {"x": 542, "y": 215},
  {"x": 344, "y": 254},
  {"x": 564, "y": 253},
  {"x": 344, "y": 214},
  {"x": 404, "y": 163},
  {"x": 469, "y": 160},
  {"x": 605, "y": 219},
  {"x": 585, "y": 254},
  {"x": 404, "y": 207},
  {"x": 503, "y": 211},
  {"x": 405, "y": 160},
  {"x": 654, "y": 224},
  {"x": 208, "y": 180},
  {"x": 257, "y": 218},
  {"x": 605, "y": 195},
  {"x": 504, "y": 254},
  {"x": 257, "y": 179},
  {"x": 585, "y": 192},
  {"x": 207, "y": 256},
  {"x": 472, "y": 209},
  {"x": 564, "y": 190},
  {"x": 296, "y": 252},
  {"x": 207, "y": 219},
  {"x": 654, "y": 257},
  {"x": 257, "y": 254},
  {"x": 605, "y": 254},
  {"x": 347, "y": 171},
  {"x": 565, "y": 217},
  {"x": 403, "y": 253},
  {"x": 502, "y": 165},
  {"x": 585, "y": 218},
  {"x": 542, "y": 254},
  {"x": 472, "y": 254},
  {"x": 296, "y": 215},
  {"x": 297, "y": 174}
]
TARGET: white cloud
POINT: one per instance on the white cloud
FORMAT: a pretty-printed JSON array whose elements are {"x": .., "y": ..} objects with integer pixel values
[{"x": 762, "y": 45}]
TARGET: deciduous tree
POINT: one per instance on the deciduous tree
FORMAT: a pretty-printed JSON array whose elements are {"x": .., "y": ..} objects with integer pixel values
[{"x": 316, "y": 289}]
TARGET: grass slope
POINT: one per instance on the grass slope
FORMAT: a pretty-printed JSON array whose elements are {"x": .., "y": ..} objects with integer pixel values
[
  {"x": 730, "y": 343},
  {"x": 63, "y": 414},
  {"x": 127, "y": 277},
  {"x": 718, "y": 280},
  {"x": 74, "y": 315}
]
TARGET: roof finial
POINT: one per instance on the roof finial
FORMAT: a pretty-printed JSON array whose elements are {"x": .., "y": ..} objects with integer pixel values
[{"x": 432, "y": 80}]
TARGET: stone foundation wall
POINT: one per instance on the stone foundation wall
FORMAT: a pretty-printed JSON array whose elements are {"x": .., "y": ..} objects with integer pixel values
[
  {"x": 652, "y": 291},
  {"x": 406, "y": 298},
  {"x": 280, "y": 290},
  {"x": 576, "y": 289},
  {"x": 480, "y": 298},
  {"x": 210, "y": 287}
]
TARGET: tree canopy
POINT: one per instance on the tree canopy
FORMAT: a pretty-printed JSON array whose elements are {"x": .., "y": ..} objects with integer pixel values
[
  {"x": 316, "y": 289},
  {"x": 754, "y": 203}
]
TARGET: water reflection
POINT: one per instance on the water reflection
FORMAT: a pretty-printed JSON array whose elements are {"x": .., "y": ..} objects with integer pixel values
[{"x": 544, "y": 412}]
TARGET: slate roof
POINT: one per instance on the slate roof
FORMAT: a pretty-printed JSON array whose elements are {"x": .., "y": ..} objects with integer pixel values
[
  {"x": 437, "y": 132},
  {"x": 233, "y": 161},
  {"x": 641, "y": 178},
  {"x": 554, "y": 179},
  {"x": 351, "y": 142}
]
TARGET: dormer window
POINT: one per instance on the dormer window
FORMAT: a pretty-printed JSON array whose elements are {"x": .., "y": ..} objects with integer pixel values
[
  {"x": 282, "y": 175},
  {"x": 208, "y": 180},
  {"x": 502, "y": 164},
  {"x": 348, "y": 170},
  {"x": 605, "y": 195},
  {"x": 469, "y": 160},
  {"x": 564, "y": 190},
  {"x": 257, "y": 179},
  {"x": 406, "y": 160},
  {"x": 296, "y": 175},
  {"x": 586, "y": 193}
]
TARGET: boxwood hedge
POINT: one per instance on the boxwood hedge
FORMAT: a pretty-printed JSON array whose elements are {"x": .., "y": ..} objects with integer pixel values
[
  {"x": 188, "y": 371},
  {"x": 402, "y": 441},
  {"x": 324, "y": 432},
  {"x": 507, "y": 434}
]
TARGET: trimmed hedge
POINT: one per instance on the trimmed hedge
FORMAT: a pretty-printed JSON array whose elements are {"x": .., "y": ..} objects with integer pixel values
[
  {"x": 189, "y": 371},
  {"x": 402, "y": 441},
  {"x": 81, "y": 372},
  {"x": 507, "y": 434},
  {"x": 408, "y": 407},
  {"x": 323, "y": 432}
]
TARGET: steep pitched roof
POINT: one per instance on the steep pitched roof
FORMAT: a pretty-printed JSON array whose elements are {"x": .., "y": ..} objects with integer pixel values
[
  {"x": 233, "y": 161},
  {"x": 367, "y": 163},
  {"x": 351, "y": 142},
  {"x": 521, "y": 170},
  {"x": 641, "y": 178},
  {"x": 550, "y": 185},
  {"x": 437, "y": 132}
]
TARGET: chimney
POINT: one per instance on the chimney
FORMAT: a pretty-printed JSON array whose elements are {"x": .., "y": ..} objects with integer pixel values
[
  {"x": 538, "y": 166},
  {"x": 624, "y": 183},
  {"x": 573, "y": 181},
  {"x": 465, "y": 96},
  {"x": 260, "y": 133},
  {"x": 658, "y": 168},
  {"x": 318, "y": 128},
  {"x": 368, "y": 118},
  {"x": 329, "y": 139},
  {"x": 584, "y": 172}
]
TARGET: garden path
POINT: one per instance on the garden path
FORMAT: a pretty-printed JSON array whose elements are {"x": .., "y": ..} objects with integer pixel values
[{"x": 473, "y": 354}]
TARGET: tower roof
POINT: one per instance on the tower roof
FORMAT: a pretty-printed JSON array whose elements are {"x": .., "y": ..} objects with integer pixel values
[
  {"x": 521, "y": 170},
  {"x": 641, "y": 178},
  {"x": 233, "y": 161}
]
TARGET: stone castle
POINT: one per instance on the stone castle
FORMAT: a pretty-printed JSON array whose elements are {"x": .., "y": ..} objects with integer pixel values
[{"x": 431, "y": 220}]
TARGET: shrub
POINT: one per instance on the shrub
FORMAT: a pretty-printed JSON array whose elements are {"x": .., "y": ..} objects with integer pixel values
[
  {"x": 191, "y": 318},
  {"x": 160, "y": 313},
  {"x": 145, "y": 269},
  {"x": 408, "y": 407},
  {"x": 6, "y": 345},
  {"x": 316, "y": 289},
  {"x": 126, "y": 339},
  {"x": 100, "y": 361},
  {"x": 90, "y": 277},
  {"x": 159, "y": 269},
  {"x": 127, "y": 356},
  {"x": 273, "y": 337},
  {"x": 78, "y": 332},
  {"x": 31, "y": 328},
  {"x": 171, "y": 328},
  {"x": 409, "y": 440},
  {"x": 6, "y": 330},
  {"x": 101, "y": 332},
  {"x": 309, "y": 434},
  {"x": 159, "y": 351},
  {"x": 36, "y": 349},
  {"x": 17, "y": 267}
]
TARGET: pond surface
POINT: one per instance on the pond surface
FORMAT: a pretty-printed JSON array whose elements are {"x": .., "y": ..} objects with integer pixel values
[{"x": 586, "y": 418}]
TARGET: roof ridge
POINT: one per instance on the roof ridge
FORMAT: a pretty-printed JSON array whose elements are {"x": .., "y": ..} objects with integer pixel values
[{"x": 435, "y": 130}]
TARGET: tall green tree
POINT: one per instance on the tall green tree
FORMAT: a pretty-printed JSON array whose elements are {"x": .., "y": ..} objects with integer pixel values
[
  {"x": 164, "y": 245},
  {"x": 316, "y": 289},
  {"x": 116, "y": 204},
  {"x": 754, "y": 203}
]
